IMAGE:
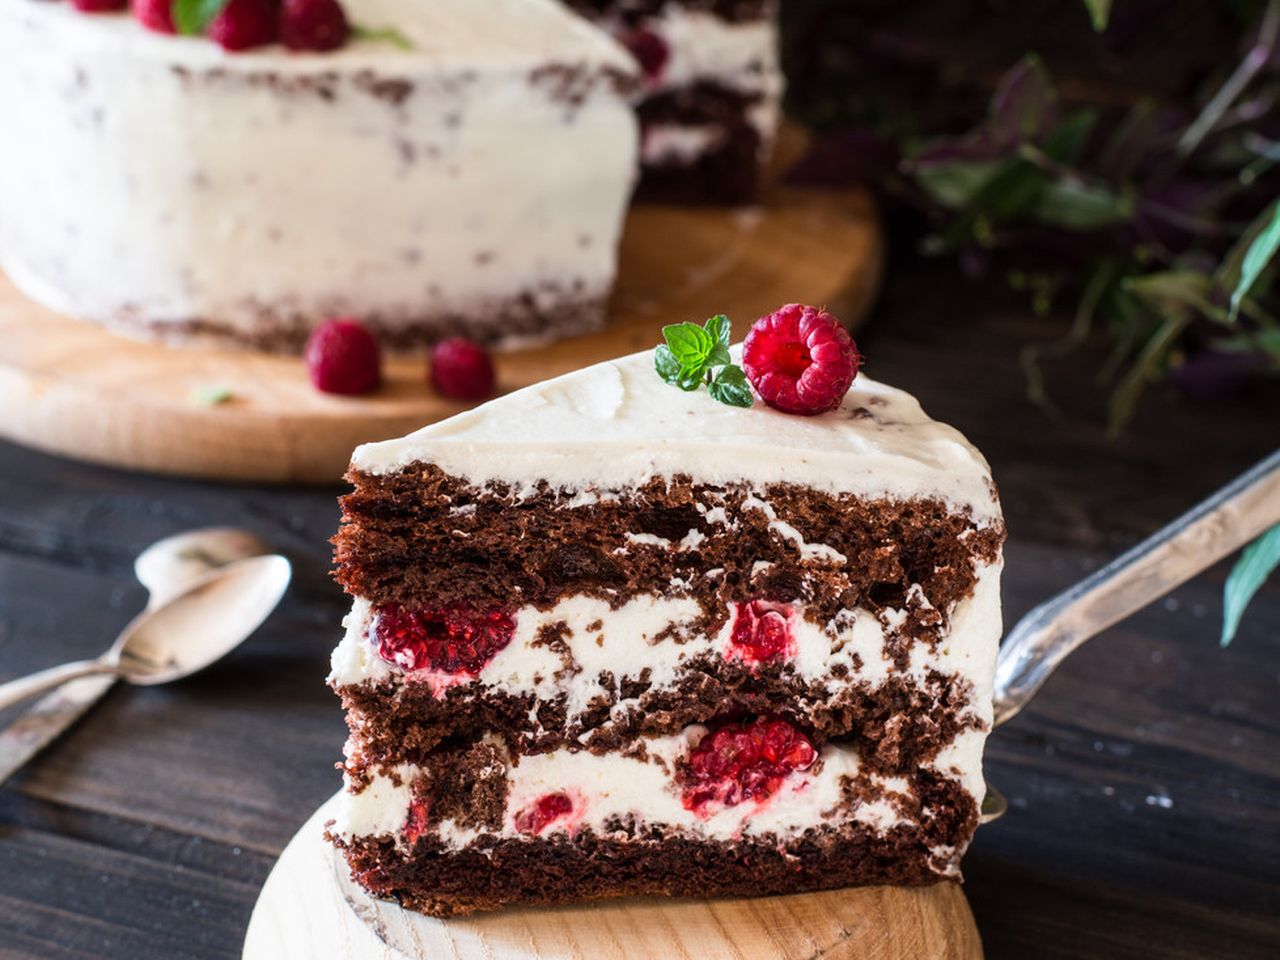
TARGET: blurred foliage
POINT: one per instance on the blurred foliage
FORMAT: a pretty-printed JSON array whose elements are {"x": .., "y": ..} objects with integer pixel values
[{"x": 1130, "y": 172}]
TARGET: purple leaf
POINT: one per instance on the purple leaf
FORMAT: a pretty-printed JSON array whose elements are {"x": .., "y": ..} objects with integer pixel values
[{"x": 1024, "y": 106}]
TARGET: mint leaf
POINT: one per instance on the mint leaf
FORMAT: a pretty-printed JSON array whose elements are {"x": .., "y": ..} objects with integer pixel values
[
  {"x": 693, "y": 353},
  {"x": 1257, "y": 562},
  {"x": 210, "y": 396},
  {"x": 730, "y": 387},
  {"x": 1259, "y": 254},
  {"x": 382, "y": 34},
  {"x": 192, "y": 17},
  {"x": 719, "y": 327},
  {"x": 670, "y": 370},
  {"x": 690, "y": 344}
]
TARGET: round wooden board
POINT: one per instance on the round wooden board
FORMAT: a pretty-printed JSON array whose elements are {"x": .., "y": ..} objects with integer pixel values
[
  {"x": 310, "y": 910},
  {"x": 74, "y": 389}
]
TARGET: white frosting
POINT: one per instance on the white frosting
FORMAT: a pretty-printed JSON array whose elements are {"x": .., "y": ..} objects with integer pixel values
[
  {"x": 612, "y": 785},
  {"x": 136, "y": 186},
  {"x": 616, "y": 425}
]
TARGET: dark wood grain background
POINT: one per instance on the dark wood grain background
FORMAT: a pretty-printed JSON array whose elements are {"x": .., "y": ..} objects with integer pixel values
[{"x": 1144, "y": 782}]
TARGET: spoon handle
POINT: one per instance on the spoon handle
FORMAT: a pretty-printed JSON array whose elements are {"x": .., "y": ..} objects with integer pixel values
[
  {"x": 45, "y": 719},
  {"x": 15, "y": 691},
  {"x": 1236, "y": 514}
]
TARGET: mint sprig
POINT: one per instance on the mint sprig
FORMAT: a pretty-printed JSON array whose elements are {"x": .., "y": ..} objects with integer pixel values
[
  {"x": 695, "y": 355},
  {"x": 382, "y": 34},
  {"x": 192, "y": 17}
]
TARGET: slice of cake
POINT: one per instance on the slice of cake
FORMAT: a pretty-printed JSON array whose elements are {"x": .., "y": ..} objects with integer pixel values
[
  {"x": 713, "y": 92},
  {"x": 612, "y": 636},
  {"x": 465, "y": 171}
]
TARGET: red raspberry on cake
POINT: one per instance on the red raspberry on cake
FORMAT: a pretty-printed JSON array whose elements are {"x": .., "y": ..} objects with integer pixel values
[
  {"x": 155, "y": 15},
  {"x": 456, "y": 640},
  {"x": 462, "y": 370},
  {"x": 245, "y": 24},
  {"x": 740, "y": 762},
  {"x": 343, "y": 357},
  {"x": 800, "y": 360},
  {"x": 762, "y": 631},
  {"x": 316, "y": 25}
]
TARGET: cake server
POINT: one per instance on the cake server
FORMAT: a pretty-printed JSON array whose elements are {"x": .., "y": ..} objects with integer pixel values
[
  {"x": 166, "y": 569},
  {"x": 1238, "y": 513}
]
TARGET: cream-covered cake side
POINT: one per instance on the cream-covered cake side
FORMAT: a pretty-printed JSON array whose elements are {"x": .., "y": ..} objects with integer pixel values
[{"x": 475, "y": 184}]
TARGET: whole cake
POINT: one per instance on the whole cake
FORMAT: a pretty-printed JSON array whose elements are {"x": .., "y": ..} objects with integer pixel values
[
  {"x": 611, "y": 636},
  {"x": 713, "y": 92},
  {"x": 470, "y": 178}
]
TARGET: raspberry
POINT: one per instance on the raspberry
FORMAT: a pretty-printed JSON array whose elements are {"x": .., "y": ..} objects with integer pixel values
[
  {"x": 649, "y": 49},
  {"x": 155, "y": 15},
  {"x": 454, "y": 640},
  {"x": 800, "y": 360},
  {"x": 99, "y": 6},
  {"x": 461, "y": 369},
  {"x": 313, "y": 25},
  {"x": 244, "y": 24},
  {"x": 342, "y": 357},
  {"x": 535, "y": 818},
  {"x": 761, "y": 631},
  {"x": 416, "y": 823},
  {"x": 744, "y": 762}
]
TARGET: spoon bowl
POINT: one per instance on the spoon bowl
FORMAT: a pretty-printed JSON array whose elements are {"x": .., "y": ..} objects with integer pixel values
[{"x": 203, "y": 623}]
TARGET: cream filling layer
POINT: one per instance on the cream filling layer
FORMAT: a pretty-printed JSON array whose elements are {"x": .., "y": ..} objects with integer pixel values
[
  {"x": 658, "y": 634},
  {"x": 606, "y": 787}
]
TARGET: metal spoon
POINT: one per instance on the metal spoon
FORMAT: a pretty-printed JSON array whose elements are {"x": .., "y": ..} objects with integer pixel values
[
  {"x": 1218, "y": 526},
  {"x": 166, "y": 568}
]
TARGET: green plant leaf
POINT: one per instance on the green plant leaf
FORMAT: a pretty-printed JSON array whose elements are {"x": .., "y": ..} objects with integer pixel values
[
  {"x": 1076, "y": 205},
  {"x": 192, "y": 17},
  {"x": 1068, "y": 140},
  {"x": 730, "y": 387},
  {"x": 691, "y": 345},
  {"x": 955, "y": 183},
  {"x": 672, "y": 371},
  {"x": 1183, "y": 287},
  {"x": 1259, "y": 253},
  {"x": 1257, "y": 562},
  {"x": 1099, "y": 13}
]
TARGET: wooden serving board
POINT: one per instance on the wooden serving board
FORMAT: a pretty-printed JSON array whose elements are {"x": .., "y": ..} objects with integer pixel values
[
  {"x": 310, "y": 910},
  {"x": 72, "y": 388}
]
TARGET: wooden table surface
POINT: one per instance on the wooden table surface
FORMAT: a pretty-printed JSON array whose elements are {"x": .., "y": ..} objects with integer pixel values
[{"x": 1144, "y": 782}]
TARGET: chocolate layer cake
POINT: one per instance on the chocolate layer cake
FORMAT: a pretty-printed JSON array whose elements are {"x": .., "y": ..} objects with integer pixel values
[
  {"x": 713, "y": 90},
  {"x": 469, "y": 179},
  {"x": 610, "y": 637}
]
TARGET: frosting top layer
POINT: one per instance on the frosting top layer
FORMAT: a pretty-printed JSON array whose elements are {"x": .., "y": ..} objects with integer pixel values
[
  {"x": 616, "y": 425},
  {"x": 445, "y": 34}
]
